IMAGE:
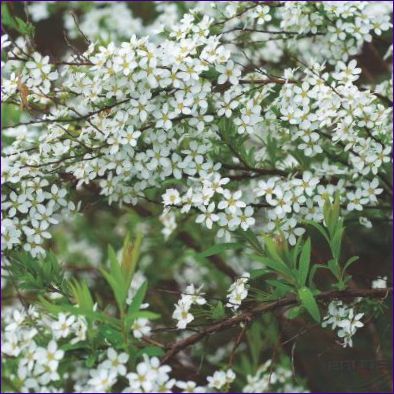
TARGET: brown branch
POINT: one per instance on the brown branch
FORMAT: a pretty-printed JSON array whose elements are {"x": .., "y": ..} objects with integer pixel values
[
  {"x": 55, "y": 62},
  {"x": 68, "y": 120},
  {"x": 261, "y": 171},
  {"x": 236, "y": 345},
  {"x": 236, "y": 15},
  {"x": 248, "y": 315},
  {"x": 293, "y": 33}
]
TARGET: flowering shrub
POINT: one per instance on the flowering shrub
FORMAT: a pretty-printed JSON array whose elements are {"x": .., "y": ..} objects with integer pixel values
[{"x": 230, "y": 140}]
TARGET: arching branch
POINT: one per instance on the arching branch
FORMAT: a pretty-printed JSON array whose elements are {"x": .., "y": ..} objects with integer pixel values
[{"x": 251, "y": 314}]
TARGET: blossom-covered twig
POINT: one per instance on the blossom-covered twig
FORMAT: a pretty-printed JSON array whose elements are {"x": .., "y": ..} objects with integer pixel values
[{"x": 248, "y": 315}]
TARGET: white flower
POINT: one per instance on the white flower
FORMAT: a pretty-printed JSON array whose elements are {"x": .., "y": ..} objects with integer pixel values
[
  {"x": 63, "y": 326},
  {"x": 141, "y": 328},
  {"x": 347, "y": 73},
  {"x": 307, "y": 184},
  {"x": 190, "y": 387},
  {"x": 380, "y": 283},
  {"x": 144, "y": 377},
  {"x": 371, "y": 190},
  {"x": 171, "y": 197},
  {"x": 194, "y": 295},
  {"x": 217, "y": 380},
  {"x": 238, "y": 291},
  {"x": 49, "y": 356},
  {"x": 282, "y": 202},
  {"x": 129, "y": 136},
  {"x": 349, "y": 326},
  {"x": 221, "y": 378},
  {"x": 266, "y": 188},
  {"x": 231, "y": 201},
  {"x": 115, "y": 362},
  {"x": 102, "y": 379},
  {"x": 336, "y": 313},
  {"x": 262, "y": 14},
  {"x": 80, "y": 329},
  {"x": 164, "y": 117},
  {"x": 208, "y": 216},
  {"x": 291, "y": 232},
  {"x": 182, "y": 313},
  {"x": 229, "y": 72},
  {"x": 356, "y": 201},
  {"x": 215, "y": 183}
]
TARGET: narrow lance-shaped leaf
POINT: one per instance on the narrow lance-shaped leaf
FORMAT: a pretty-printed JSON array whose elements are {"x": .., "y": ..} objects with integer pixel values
[
  {"x": 138, "y": 298},
  {"x": 131, "y": 255},
  {"x": 217, "y": 249},
  {"x": 336, "y": 241},
  {"x": 350, "y": 262},
  {"x": 309, "y": 303},
  {"x": 276, "y": 266},
  {"x": 305, "y": 259}
]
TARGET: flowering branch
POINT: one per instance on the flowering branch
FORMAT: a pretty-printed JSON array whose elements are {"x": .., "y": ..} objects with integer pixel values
[{"x": 247, "y": 316}]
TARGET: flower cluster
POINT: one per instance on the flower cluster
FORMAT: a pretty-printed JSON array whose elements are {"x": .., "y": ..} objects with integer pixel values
[
  {"x": 271, "y": 379},
  {"x": 131, "y": 116},
  {"x": 238, "y": 291},
  {"x": 220, "y": 379},
  {"x": 39, "y": 365},
  {"x": 343, "y": 318},
  {"x": 182, "y": 309},
  {"x": 380, "y": 283}
]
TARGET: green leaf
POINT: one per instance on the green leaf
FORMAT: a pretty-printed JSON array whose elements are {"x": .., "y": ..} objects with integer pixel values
[
  {"x": 117, "y": 289},
  {"x": 319, "y": 228},
  {"x": 281, "y": 289},
  {"x": 331, "y": 214},
  {"x": 6, "y": 18},
  {"x": 217, "y": 312},
  {"x": 336, "y": 241},
  {"x": 350, "y": 262},
  {"x": 16, "y": 23},
  {"x": 251, "y": 238},
  {"x": 25, "y": 28},
  {"x": 81, "y": 293},
  {"x": 210, "y": 74},
  {"x": 309, "y": 303},
  {"x": 276, "y": 266},
  {"x": 111, "y": 335},
  {"x": 295, "y": 251},
  {"x": 91, "y": 360},
  {"x": 138, "y": 298},
  {"x": 294, "y": 312},
  {"x": 254, "y": 337},
  {"x": 77, "y": 311},
  {"x": 272, "y": 250},
  {"x": 217, "y": 249},
  {"x": 333, "y": 267},
  {"x": 152, "y": 351},
  {"x": 257, "y": 273},
  {"x": 130, "y": 255},
  {"x": 112, "y": 256},
  {"x": 74, "y": 346},
  {"x": 118, "y": 280},
  {"x": 305, "y": 259},
  {"x": 141, "y": 314}
]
